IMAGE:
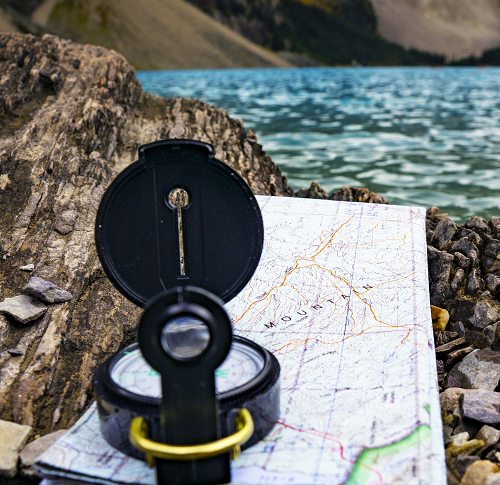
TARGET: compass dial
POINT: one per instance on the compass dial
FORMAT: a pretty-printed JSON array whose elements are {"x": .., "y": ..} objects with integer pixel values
[{"x": 134, "y": 374}]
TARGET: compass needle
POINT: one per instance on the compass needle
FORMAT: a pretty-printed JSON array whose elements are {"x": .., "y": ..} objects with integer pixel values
[{"x": 178, "y": 199}]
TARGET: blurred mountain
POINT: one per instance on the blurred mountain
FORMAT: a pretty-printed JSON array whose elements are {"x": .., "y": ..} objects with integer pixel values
[
  {"x": 454, "y": 28},
  {"x": 332, "y": 32},
  {"x": 151, "y": 34}
]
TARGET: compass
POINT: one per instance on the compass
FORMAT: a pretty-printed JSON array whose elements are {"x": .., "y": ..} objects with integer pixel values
[
  {"x": 127, "y": 386},
  {"x": 179, "y": 233}
]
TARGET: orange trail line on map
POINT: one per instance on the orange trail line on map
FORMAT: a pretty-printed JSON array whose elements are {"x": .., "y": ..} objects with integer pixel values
[
  {"x": 299, "y": 343},
  {"x": 292, "y": 270},
  {"x": 319, "y": 251}
]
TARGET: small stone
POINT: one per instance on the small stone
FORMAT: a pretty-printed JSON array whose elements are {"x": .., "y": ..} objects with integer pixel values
[
  {"x": 483, "y": 406},
  {"x": 484, "y": 315},
  {"x": 495, "y": 225},
  {"x": 24, "y": 308},
  {"x": 446, "y": 348},
  {"x": 462, "y": 261},
  {"x": 444, "y": 232},
  {"x": 478, "y": 472},
  {"x": 66, "y": 221},
  {"x": 460, "y": 439},
  {"x": 440, "y": 370},
  {"x": 476, "y": 338},
  {"x": 13, "y": 436},
  {"x": 489, "y": 435},
  {"x": 439, "y": 263},
  {"x": 479, "y": 370},
  {"x": 46, "y": 291},
  {"x": 27, "y": 267},
  {"x": 15, "y": 352},
  {"x": 465, "y": 449},
  {"x": 440, "y": 318},
  {"x": 492, "y": 335},
  {"x": 474, "y": 282},
  {"x": 442, "y": 338},
  {"x": 449, "y": 398},
  {"x": 477, "y": 223},
  {"x": 471, "y": 236},
  {"x": 457, "y": 327},
  {"x": 453, "y": 357},
  {"x": 490, "y": 261},
  {"x": 468, "y": 249},
  {"x": 458, "y": 279},
  {"x": 461, "y": 464},
  {"x": 492, "y": 283},
  {"x": 32, "y": 450}
]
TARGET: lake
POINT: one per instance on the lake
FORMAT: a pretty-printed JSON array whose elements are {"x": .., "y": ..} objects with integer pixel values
[{"x": 418, "y": 136}]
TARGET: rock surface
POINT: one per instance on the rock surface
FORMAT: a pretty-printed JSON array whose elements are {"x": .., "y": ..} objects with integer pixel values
[
  {"x": 483, "y": 406},
  {"x": 13, "y": 436},
  {"x": 71, "y": 118}
]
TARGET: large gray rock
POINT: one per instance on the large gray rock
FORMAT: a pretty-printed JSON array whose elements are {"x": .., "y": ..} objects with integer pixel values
[
  {"x": 449, "y": 398},
  {"x": 479, "y": 370},
  {"x": 32, "y": 450},
  {"x": 24, "y": 308},
  {"x": 72, "y": 117},
  {"x": 13, "y": 436},
  {"x": 46, "y": 291},
  {"x": 483, "y": 406}
]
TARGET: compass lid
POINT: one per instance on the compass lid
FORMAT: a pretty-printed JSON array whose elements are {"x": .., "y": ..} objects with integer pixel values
[{"x": 148, "y": 244}]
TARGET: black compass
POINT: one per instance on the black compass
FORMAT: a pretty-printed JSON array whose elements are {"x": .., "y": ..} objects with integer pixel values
[{"x": 179, "y": 233}]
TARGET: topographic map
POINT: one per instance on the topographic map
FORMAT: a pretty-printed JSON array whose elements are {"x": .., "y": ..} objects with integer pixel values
[{"x": 341, "y": 298}]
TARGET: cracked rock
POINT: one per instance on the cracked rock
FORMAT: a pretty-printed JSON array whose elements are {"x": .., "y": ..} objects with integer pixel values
[
  {"x": 24, "y": 308},
  {"x": 46, "y": 291},
  {"x": 444, "y": 232}
]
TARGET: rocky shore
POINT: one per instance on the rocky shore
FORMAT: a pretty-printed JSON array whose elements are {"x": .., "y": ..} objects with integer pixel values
[{"x": 71, "y": 118}]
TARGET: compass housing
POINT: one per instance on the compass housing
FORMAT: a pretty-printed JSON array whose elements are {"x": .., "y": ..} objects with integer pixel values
[{"x": 118, "y": 405}]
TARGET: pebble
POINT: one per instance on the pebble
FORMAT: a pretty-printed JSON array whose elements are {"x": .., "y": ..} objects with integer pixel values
[
  {"x": 449, "y": 398},
  {"x": 46, "y": 291},
  {"x": 483, "y": 406},
  {"x": 479, "y": 370},
  {"x": 15, "y": 352},
  {"x": 24, "y": 308},
  {"x": 13, "y": 437},
  {"x": 32, "y": 450},
  {"x": 465, "y": 449},
  {"x": 489, "y": 435},
  {"x": 440, "y": 318},
  {"x": 27, "y": 267},
  {"x": 461, "y": 464},
  {"x": 478, "y": 472},
  {"x": 492, "y": 283}
]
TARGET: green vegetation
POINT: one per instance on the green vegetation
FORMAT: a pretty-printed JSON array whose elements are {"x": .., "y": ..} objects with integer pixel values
[
  {"x": 367, "y": 460},
  {"x": 490, "y": 57}
]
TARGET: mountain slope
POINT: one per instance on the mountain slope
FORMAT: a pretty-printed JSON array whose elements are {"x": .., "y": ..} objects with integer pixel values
[
  {"x": 454, "y": 28},
  {"x": 334, "y": 32},
  {"x": 154, "y": 34}
]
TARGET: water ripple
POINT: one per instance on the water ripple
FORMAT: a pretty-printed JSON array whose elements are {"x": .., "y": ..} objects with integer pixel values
[{"x": 418, "y": 136}]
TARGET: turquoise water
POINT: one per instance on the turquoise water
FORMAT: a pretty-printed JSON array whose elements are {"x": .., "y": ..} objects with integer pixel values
[{"x": 418, "y": 136}]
